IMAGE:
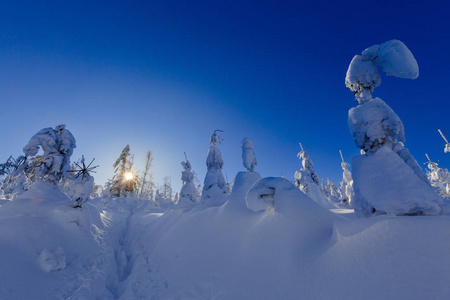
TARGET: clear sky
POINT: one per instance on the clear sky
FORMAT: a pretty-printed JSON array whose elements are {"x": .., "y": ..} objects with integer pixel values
[{"x": 162, "y": 75}]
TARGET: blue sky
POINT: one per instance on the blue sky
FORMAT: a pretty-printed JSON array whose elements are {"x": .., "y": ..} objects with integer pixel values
[{"x": 162, "y": 75}]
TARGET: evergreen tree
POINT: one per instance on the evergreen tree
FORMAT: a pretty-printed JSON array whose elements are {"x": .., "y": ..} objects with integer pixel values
[
  {"x": 439, "y": 178},
  {"x": 214, "y": 181},
  {"x": 125, "y": 179},
  {"x": 346, "y": 183}
]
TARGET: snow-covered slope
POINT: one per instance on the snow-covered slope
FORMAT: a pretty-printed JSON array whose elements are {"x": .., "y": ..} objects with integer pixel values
[{"x": 293, "y": 249}]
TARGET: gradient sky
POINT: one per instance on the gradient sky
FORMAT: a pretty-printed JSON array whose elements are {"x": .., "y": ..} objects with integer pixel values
[{"x": 162, "y": 75}]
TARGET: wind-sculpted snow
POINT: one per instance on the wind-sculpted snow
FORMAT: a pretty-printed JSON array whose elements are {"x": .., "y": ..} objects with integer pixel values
[
  {"x": 393, "y": 57},
  {"x": 385, "y": 184}
]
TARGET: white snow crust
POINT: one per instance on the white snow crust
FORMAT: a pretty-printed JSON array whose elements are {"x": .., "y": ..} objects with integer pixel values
[{"x": 384, "y": 183}]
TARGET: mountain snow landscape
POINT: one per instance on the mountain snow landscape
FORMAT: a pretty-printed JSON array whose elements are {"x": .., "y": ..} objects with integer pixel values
[{"x": 381, "y": 232}]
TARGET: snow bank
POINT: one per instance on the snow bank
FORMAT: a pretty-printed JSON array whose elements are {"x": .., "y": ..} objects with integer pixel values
[
  {"x": 49, "y": 250},
  {"x": 384, "y": 183}
]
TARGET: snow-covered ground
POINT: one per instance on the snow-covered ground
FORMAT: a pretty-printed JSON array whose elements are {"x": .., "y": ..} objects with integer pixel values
[{"x": 291, "y": 249}]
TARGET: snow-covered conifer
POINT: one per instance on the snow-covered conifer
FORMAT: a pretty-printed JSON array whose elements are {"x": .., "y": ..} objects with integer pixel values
[
  {"x": 58, "y": 145},
  {"x": 188, "y": 190},
  {"x": 248, "y": 154},
  {"x": 307, "y": 180},
  {"x": 379, "y": 132},
  {"x": 124, "y": 180},
  {"x": 330, "y": 190},
  {"x": 346, "y": 183},
  {"x": 214, "y": 182},
  {"x": 439, "y": 178}
]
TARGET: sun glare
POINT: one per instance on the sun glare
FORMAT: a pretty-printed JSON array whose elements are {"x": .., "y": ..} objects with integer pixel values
[{"x": 128, "y": 176}]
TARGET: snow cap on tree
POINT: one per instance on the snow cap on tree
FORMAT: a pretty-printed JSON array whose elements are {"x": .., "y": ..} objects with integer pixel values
[
  {"x": 248, "y": 154},
  {"x": 393, "y": 57}
]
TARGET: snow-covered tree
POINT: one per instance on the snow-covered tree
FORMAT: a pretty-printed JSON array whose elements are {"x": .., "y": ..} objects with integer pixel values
[
  {"x": 125, "y": 179},
  {"x": 330, "y": 190},
  {"x": 383, "y": 181},
  {"x": 307, "y": 180},
  {"x": 248, "y": 154},
  {"x": 447, "y": 144},
  {"x": 439, "y": 178},
  {"x": 188, "y": 190},
  {"x": 214, "y": 182},
  {"x": 57, "y": 145},
  {"x": 346, "y": 183}
]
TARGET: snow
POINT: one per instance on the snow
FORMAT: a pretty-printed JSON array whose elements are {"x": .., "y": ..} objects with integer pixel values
[
  {"x": 248, "y": 154},
  {"x": 123, "y": 248},
  {"x": 394, "y": 58},
  {"x": 373, "y": 124},
  {"x": 384, "y": 183}
]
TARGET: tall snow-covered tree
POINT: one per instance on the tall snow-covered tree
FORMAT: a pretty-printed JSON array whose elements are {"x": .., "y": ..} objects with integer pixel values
[
  {"x": 214, "y": 183},
  {"x": 188, "y": 190},
  {"x": 330, "y": 190},
  {"x": 307, "y": 180},
  {"x": 439, "y": 178},
  {"x": 248, "y": 154},
  {"x": 346, "y": 183},
  {"x": 57, "y": 145},
  {"x": 379, "y": 132},
  {"x": 125, "y": 179}
]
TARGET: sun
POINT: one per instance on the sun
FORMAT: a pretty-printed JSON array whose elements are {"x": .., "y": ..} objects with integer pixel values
[{"x": 128, "y": 176}]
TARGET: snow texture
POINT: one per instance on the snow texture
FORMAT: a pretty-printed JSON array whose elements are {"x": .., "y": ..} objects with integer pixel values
[
  {"x": 248, "y": 154},
  {"x": 52, "y": 261},
  {"x": 384, "y": 183}
]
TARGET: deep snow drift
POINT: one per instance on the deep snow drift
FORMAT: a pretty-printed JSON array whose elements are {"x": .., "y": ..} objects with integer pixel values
[{"x": 285, "y": 247}]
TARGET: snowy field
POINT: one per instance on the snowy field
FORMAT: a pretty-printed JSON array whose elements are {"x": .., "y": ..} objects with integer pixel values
[{"x": 128, "y": 249}]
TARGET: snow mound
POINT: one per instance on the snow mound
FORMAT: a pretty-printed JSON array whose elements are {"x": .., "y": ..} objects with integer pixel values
[
  {"x": 52, "y": 261},
  {"x": 51, "y": 248},
  {"x": 384, "y": 183},
  {"x": 242, "y": 184}
]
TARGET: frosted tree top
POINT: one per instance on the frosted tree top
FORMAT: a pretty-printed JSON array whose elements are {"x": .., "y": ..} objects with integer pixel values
[{"x": 393, "y": 57}]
